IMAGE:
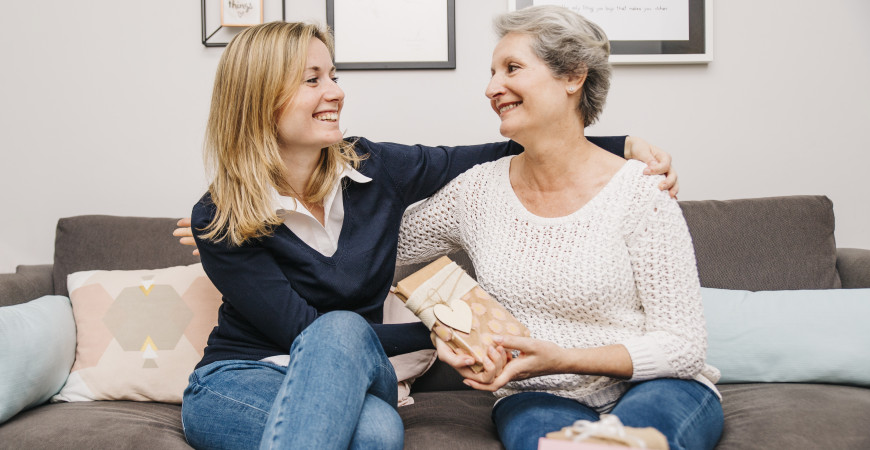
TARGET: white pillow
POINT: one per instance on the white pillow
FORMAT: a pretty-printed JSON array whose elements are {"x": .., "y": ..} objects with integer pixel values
[
  {"x": 408, "y": 366},
  {"x": 37, "y": 349},
  {"x": 815, "y": 336}
]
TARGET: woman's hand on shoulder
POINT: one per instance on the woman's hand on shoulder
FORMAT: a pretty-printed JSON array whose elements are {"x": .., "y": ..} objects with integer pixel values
[
  {"x": 185, "y": 233},
  {"x": 536, "y": 357},
  {"x": 657, "y": 160}
]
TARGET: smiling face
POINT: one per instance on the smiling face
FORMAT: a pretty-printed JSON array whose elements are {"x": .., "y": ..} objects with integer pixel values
[
  {"x": 310, "y": 119},
  {"x": 525, "y": 94}
]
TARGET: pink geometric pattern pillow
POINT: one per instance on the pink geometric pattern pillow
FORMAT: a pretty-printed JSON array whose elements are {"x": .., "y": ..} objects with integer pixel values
[{"x": 139, "y": 333}]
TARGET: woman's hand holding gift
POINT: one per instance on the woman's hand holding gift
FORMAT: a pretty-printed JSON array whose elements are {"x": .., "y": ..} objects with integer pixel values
[
  {"x": 537, "y": 357},
  {"x": 493, "y": 362}
]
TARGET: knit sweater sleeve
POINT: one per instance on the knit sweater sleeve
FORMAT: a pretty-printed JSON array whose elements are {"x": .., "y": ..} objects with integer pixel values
[
  {"x": 663, "y": 262},
  {"x": 431, "y": 228}
]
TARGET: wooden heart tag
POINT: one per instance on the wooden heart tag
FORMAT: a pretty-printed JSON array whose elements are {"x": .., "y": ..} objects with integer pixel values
[{"x": 456, "y": 316}]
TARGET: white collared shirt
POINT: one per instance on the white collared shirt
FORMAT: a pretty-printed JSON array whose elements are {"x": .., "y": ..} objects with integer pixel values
[{"x": 323, "y": 238}]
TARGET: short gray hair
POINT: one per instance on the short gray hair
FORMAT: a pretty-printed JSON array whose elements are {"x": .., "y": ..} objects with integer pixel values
[{"x": 570, "y": 45}]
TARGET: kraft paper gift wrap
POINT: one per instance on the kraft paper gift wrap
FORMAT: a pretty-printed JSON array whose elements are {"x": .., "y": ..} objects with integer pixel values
[{"x": 442, "y": 292}]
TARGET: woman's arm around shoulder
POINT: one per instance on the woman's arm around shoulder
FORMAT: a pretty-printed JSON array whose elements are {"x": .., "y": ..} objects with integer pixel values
[
  {"x": 417, "y": 171},
  {"x": 657, "y": 160}
]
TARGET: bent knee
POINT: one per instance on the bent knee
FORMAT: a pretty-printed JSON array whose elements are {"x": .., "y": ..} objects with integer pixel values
[
  {"x": 346, "y": 328},
  {"x": 342, "y": 323},
  {"x": 379, "y": 427},
  {"x": 393, "y": 439}
]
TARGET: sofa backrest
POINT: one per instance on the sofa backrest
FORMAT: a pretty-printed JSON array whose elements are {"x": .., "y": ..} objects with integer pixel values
[
  {"x": 115, "y": 243},
  {"x": 755, "y": 244},
  {"x": 764, "y": 244},
  {"x": 752, "y": 244}
]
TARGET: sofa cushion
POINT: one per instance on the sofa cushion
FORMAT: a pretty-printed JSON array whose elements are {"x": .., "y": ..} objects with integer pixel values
[
  {"x": 780, "y": 416},
  {"x": 139, "y": 333},
  {"x": 97, "y": 425},
  {"x": 115, "y": 243},
  {"x": 764, "y": 244},
  {"x": 853, "y": 265},
  {"x": 756, "y": 416},
  {"x": 789, "y": 336},
  {"x": 450, "y": 420},
  {"x": 27, "y": 283},
  {"x": 37, "y": 348},
  {"x": 439, "y": 377},
  {"x": 762, "y": 415}
]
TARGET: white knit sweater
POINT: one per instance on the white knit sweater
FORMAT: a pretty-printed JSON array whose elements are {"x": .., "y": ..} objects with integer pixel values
[{"x": 620, "y": 270}]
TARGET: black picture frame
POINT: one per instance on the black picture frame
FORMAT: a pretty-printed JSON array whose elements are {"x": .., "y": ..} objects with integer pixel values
[
  {"x": 216, "y": 35},
  {"x": 697, "y": 49},
  {"x": 449, "y": 62}
]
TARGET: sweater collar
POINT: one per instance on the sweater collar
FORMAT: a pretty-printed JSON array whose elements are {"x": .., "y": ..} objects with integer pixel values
[{"x": 283, "y": 203}]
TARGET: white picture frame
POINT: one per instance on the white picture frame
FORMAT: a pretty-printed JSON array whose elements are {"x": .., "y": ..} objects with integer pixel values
[
  {"x": 393, "y": 34},
  {"x": 216, "y": 34},
  {"x": 692, "y": 45},
  {"x": 241, "y": 13}
]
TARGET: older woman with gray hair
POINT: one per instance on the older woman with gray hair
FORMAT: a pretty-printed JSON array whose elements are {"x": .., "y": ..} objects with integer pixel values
[{"x": 581, "y": 247}]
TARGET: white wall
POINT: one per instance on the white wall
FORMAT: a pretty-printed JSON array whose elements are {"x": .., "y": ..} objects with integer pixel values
[{"x": 103, "y": 104}]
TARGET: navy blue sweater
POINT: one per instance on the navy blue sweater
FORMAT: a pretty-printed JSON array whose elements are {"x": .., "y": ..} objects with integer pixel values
[{"x": 274, "y": 287}]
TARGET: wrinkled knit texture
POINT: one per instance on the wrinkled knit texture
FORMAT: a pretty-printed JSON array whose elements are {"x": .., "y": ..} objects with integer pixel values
[{"x": 620, "y": 270}]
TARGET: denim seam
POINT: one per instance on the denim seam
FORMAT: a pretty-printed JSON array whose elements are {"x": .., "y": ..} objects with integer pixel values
[
  {"x": 206, "y": 388},
  {"x": 279, "y": 415},
  {"x": 386, "y": 367},
  {"x": 696, "y": 413}
]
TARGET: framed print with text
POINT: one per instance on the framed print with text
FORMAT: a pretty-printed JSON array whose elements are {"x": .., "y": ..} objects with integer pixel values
[
  {"x": 223, "y": 19},
  {"x": 646, "y": 31},
  {"x": 393, "y": 34},
  {"x": 241, "y": 13}
]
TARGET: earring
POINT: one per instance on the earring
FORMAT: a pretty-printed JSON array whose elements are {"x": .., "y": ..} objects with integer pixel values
[{"x": 571, "y": 89}]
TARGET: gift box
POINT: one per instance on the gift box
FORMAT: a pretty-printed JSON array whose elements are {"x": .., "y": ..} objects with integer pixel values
[
  {"x": 442, "y": 292},
  {"x": 557, "y": 444},
  {"x": 607, "y": 433}
]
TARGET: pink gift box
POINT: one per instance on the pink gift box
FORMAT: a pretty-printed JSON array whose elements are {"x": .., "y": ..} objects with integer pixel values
[{"x": 558, "y": 444}]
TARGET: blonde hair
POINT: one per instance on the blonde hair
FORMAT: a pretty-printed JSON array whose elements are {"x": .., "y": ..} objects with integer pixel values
[
  {"x": 259, "y": 72},
  {"x": 569, "y": 44}
]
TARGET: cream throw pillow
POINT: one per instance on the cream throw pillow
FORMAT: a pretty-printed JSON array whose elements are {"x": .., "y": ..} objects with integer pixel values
[
  {"x": 139, "y": 333},
  {"x": 408, "y": 366}
]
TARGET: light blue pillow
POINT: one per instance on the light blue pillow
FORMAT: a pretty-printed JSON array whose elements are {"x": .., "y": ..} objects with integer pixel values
[
  {"x": 37, "y": 350},
  {"x": 819, "y": 336}
]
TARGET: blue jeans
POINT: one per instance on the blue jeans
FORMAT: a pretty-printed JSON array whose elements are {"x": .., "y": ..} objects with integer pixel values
[
  {"x": 688, "y": 413},
  {"x": 338, "y": 392}
]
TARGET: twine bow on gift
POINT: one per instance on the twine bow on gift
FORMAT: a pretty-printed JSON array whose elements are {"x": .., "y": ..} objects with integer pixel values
[
  {"x": 440, "y": 297},
  {"x": 609, "y": 429}
]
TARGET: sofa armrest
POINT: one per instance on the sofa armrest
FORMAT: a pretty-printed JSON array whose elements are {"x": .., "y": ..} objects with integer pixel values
[
  {"x": 854, "y": 267},
  {"x": 27, "y": 283}
]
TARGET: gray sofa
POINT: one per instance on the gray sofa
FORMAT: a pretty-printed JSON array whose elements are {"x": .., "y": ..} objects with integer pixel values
[{"x": 778, "y": 243}]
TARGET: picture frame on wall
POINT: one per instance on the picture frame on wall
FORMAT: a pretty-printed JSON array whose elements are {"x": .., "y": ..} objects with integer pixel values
[
  {"x": 645, "y": 31},
  {"x": 393, "y": 34},
  {"x": 223, "y": 19},
  {"x": 241, "y": 13}
]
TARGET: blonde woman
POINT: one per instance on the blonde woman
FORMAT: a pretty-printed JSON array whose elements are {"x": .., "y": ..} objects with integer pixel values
[
  {"x": 298, "y": 232},
  {"x": 581, "y": 247}
]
